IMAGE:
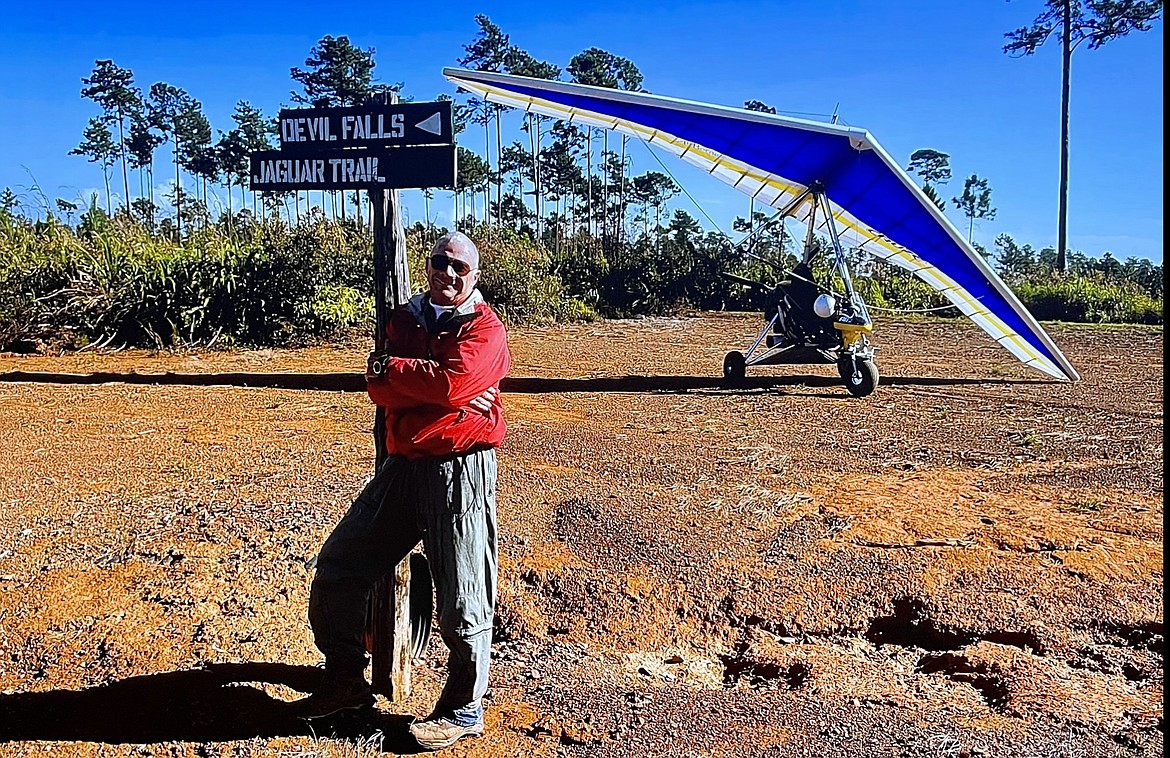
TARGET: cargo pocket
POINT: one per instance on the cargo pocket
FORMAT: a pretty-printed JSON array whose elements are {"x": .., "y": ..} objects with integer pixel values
[
  {"x": 463, "y": 488},
  {"x": 445, "y": 491}
]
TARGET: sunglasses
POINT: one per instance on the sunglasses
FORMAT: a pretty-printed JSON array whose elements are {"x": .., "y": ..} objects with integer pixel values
[{"x": 440, "y": 262}]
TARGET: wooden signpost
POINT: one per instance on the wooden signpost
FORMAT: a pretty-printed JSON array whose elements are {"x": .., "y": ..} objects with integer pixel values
[{"x": 381, "y": 147}]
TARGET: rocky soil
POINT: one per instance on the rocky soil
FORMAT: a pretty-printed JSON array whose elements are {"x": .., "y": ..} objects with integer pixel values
[{"x": 967, "y": 563}]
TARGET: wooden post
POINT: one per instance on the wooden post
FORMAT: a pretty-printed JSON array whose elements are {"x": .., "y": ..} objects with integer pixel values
[
  {"x": 388, "y": 625},
  {"x": 329, "y": 156}
]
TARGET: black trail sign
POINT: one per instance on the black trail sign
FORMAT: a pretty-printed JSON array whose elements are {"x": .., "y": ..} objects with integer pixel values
[
  {"x": 363, "y": 168},
  {"x": 377, "y": 146},
  {"x": 399, "y": 124}
]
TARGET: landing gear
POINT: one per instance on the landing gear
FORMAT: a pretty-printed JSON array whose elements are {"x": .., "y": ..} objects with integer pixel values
[
  {"x": 808, "y": 322},
  {"x": 734, "y": 367},
  {"x": 859, "y": 374}
]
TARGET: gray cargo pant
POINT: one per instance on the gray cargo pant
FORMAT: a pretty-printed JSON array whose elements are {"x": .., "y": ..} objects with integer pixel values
[{"x": 448, "y": 503}]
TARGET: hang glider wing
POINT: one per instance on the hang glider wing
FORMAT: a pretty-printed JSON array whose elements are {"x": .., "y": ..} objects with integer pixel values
[{"x": 876, "y": 205}]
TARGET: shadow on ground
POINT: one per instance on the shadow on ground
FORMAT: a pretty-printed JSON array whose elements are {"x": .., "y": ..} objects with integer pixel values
[
  {"x": 344, "y": 382},
  {"x": 212, "y": 704}
]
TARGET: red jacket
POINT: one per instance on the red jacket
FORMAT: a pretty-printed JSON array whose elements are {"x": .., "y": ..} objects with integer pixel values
[{"x": 432, "y": 377}]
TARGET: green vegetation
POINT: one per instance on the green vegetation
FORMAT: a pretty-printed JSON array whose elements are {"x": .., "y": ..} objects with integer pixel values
[
  {"x": 113, "y": 281},
  {"x": 1092, "y": 290},
  {"x": 1087, "y": 506},
  {"x": 110, "y": 281},
  {"x": 1091, "y": 299}
]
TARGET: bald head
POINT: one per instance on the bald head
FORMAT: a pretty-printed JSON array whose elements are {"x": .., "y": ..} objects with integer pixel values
[
  {"x": 459, "y": 244},
  {"x": 452, "y": 269}
]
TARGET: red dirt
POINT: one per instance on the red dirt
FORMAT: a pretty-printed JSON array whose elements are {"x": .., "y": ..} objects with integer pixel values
[{"x": 968, "y": 562}]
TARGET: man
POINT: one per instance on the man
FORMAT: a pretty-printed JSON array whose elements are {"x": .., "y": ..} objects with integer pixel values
[{"x": 444, "y": 420}]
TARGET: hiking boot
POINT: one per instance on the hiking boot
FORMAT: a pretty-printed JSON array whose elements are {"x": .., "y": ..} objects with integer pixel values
[
  {"x": 436, "y": 733},
  {"x": 335, "y": 693}
]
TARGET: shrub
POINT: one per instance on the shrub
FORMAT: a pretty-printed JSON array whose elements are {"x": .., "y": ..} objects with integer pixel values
[
  {"x": 114, "y": 281},
  {"x": 1091, "y": 299},
  {"x": 517, "y": 282},
  {"x": 339, "y": 308}
]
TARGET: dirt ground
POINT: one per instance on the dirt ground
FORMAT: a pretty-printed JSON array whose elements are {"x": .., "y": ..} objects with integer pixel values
[{"x": 969, "y": 562}]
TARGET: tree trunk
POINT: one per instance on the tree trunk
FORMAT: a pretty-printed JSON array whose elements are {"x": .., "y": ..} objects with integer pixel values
[
  {"x": 1062, "y": 231},
  {"x": 752, "y": 224},
  {"x": 534, "y": 138},
  {"x": 622, "y": 194},
  {"x": 589, "y": 178},
  {"x": 109, "y": 206},
  {"x": 604, "y": 185},
  {"x": 178, "y": 190},
  {"x": 499, "y": 172},
  {"x": 487, "y": 159},
  {"x": 125, "y": 176},
  {"x": 657, "y": 227}
]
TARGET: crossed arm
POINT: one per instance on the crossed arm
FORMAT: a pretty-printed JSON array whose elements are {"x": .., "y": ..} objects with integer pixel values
[{"x": 466, "y": 380}]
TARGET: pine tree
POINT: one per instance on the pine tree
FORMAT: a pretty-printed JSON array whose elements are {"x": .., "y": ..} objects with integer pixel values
[
  {"x": 1074, "y": 22},
  {"x": 113, "y": 89},
  {"x": 933, "y": 168},
  {"x": 97, "y": 144},
  {"x": 254, "y": 131},
  {"x": 166, "y": 107},
  {"x": 601, "y": 68},
  {"x": 975, "y": 202},
  {"x": 337, "y": 73}
]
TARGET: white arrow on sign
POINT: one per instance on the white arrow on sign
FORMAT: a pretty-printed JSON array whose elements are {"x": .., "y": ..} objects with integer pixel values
[{"x": 434, "y": 124}]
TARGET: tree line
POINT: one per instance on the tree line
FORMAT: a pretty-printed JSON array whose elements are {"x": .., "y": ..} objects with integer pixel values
[
  {"x": 110, "y": 282},
  {"x": 144, "y": 121},
  {"x": 574, "y": 181},
  {"x": 570, "y": 229},
  {"x": 556, "y": 175}
]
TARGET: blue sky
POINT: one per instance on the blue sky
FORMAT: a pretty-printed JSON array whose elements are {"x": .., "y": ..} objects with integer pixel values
[{"x": 916, "y": 74}]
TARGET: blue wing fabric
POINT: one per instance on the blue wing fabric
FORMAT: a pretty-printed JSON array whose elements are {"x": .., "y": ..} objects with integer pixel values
[{"x": 876, "y": 206}]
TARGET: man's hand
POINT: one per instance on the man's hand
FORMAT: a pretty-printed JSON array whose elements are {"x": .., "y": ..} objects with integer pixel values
[
  {"x": 485, "y": 401},
  {"x": 376, "y": 365}
]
